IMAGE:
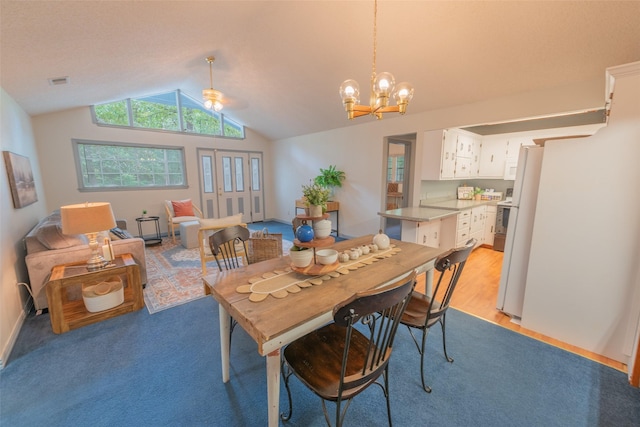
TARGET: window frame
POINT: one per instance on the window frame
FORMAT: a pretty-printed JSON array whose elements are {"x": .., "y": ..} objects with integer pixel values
[
  {"x": 76, "y": 143},
  {"x": 224, "y": 120}
]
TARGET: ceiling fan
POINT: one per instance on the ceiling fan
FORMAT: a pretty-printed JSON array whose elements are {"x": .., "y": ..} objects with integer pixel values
[{"x": 212, "y": 97}]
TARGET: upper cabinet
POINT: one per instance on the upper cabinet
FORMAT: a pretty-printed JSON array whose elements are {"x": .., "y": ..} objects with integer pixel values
[
  {"x": 493, "y": 155},
  {"x": 459, "y": 154},
  {"x": 450, "y": 154}
]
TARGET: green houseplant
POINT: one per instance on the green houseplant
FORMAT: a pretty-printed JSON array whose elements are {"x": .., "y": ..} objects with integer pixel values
[
  {"x": 315, "y": 195},
  {"x": 330, "y": 177}
]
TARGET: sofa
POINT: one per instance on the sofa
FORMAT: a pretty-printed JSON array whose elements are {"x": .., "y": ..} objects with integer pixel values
[{"x": 47, "y": 247}]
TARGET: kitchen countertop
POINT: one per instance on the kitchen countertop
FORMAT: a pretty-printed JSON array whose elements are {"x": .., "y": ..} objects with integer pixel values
[
  {"x": 457, "y": 205},
  {"x": 431, "y": 211},
  {"x": 418, "y": 214}
]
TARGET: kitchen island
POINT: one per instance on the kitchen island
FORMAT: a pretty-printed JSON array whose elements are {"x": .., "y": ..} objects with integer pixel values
[{"x": 445, "y": 223}]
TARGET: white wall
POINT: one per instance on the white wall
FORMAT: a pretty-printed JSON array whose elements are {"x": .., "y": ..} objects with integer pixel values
[
  {"x": 582, "y": 286},
  {"x": 16, "y": 136},
  {"x": 54, "y": 132}
]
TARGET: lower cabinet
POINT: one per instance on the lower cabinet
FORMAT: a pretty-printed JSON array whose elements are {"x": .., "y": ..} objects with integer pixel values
[
  {"x": 490, "y": 225},
  {"x": 424, "y": 233}
]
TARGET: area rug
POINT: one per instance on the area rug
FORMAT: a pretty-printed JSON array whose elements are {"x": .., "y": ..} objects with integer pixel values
[{"x": 174, "y": 274}]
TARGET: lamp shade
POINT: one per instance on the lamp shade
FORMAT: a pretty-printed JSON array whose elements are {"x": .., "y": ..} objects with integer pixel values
[{"x": 87, "y": 218}]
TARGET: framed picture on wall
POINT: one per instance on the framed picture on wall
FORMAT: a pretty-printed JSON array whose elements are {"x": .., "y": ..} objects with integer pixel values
[{"x": 23, "y": 187}]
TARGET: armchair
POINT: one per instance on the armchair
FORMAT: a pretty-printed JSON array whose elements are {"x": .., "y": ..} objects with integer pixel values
[{"x": 187, "y": 212}]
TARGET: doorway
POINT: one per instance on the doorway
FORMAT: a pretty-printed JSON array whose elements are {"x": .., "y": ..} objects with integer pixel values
[
  {"x": 231, "y": 182},
  {"x": 397, "y": 172}
]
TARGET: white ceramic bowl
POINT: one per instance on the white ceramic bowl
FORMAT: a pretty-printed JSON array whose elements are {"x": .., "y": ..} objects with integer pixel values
[
  {"x": 322, "y": 229},
  {"x": 301, "y": 258},
  {"x": 326, "y": 256}
]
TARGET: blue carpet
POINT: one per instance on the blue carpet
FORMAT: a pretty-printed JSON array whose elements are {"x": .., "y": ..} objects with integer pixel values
[{"x": 164, "y": 370}]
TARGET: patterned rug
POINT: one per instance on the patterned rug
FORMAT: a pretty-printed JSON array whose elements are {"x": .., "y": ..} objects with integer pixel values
[{"x": 174, "y": 275}]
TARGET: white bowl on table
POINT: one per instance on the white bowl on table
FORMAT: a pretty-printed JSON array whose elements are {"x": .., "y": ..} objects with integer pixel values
[{"x": 326, "y": 256}]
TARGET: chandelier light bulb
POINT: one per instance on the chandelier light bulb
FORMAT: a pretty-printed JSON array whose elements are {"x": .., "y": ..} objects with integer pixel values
[
  {"x": 350, "y": 91},
  {"x": 404, "y": 92},
  {"x": 383, "y": 84}
]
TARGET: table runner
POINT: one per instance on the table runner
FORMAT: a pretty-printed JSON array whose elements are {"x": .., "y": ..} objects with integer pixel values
[{"x": 280, "y": 283}]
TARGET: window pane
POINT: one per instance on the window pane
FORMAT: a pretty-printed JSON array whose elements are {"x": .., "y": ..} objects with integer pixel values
[
  {"x": 207, "y": 174},
  {"x": 400, "y": 169},
  {"x": 233, "y": 129},
  {"x": 156, "y": 112},
  {"x": 114, "y": 113},
  {"x": 226, "y": 174},
  {"x": 255, "y": 174},
  {"x": 239, "y": 174},
  {"x": 104, "y": 165},
  {"x": 198, "y": 119}
]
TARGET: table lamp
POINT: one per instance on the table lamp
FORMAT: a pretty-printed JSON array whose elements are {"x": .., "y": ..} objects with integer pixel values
[{"x": 90, "y": 219}]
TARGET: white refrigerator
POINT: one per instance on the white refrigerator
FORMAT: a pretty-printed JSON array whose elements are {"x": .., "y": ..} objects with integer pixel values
[{"x": 513, "y": 278}]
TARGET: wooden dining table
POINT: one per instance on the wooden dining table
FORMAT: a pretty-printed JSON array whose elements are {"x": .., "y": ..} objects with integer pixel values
[{"x": 277, "y": 321}]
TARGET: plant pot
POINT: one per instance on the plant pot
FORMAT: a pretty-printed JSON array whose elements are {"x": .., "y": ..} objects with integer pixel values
[
  {"x": 315, "y": 211},
  {"x": 301, "y": 258}
]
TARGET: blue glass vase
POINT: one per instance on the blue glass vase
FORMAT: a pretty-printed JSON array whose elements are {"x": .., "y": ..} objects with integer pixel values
[{"x": 304, "y": 233}]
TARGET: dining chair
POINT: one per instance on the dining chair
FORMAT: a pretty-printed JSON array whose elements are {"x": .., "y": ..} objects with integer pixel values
[
  {"x": 229, "y": 248},
  {"x": 362, "y": 334},
  {"x": 424, "y": 311}
]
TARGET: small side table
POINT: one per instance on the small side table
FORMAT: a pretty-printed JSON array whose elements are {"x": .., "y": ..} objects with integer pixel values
[
  {"x": 149, "y": 241},
  {"x": 64, "y": 293}
]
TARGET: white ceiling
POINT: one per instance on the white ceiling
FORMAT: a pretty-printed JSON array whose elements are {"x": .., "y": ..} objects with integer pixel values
[{"x": 281, "y": 62}]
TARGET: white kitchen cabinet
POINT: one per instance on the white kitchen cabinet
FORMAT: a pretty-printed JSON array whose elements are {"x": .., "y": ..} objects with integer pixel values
[
  {"x": 476, "y": 227},
  {"x": 513, "y": 151},
  {"x": 424, "y": 233},
  {"x": 493, "y": 154},
  {"x": 450, "y": 154},
  {"x": 490, "y": 225},
  {"x": 463, "y": 229}
]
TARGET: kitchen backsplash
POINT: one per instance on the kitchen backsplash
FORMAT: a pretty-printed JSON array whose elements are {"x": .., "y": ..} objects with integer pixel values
[{"x": 435, "y": 191}]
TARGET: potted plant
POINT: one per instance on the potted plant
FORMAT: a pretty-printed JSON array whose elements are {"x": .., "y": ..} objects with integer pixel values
[
  {"x": 144, "y": 213},
  {"x": 477, "y": 193},
  {"x": 300, "y": 257},
  {"x": 316, "y": 198},
  {"x": 330, "y": 178}
]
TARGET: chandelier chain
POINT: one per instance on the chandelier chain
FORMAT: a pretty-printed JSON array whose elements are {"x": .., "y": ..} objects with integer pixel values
[{"x": 375, "y": 38}]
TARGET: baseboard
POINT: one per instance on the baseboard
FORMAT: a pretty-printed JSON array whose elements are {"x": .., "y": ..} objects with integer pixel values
[{"x": 6, "y": 352}]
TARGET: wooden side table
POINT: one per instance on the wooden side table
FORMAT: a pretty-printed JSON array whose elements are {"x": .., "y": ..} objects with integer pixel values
[{"x": 64, "y": 293}]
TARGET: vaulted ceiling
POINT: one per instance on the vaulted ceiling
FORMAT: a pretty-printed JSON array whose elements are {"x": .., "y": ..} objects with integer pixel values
[{"x": 281, "y": 62}]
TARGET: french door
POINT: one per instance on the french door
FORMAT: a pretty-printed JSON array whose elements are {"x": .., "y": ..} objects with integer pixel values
[{"x": 231, "y": 182}]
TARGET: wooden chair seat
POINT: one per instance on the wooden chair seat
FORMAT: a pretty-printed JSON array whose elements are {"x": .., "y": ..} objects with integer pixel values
[
  {"x": 317, "y": 358},
  {"x": 340, "y": 360}
]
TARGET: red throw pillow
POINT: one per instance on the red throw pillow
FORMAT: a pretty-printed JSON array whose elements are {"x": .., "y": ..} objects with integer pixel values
[{"x": 182, "y": 208}]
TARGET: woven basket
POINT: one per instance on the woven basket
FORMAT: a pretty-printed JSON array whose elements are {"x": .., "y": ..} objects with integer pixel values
[{"x": 263, "y": 245}]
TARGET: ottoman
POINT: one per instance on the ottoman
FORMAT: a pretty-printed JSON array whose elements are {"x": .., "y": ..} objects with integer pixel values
[{"x": 189, "y": 234}]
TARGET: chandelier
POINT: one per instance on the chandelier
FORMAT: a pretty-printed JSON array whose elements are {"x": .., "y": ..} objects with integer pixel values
[
  {"x": 382, "y": 87},
  {"x": 212, "y": 98}
]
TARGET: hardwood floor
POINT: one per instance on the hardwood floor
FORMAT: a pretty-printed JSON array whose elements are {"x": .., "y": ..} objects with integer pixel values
[{"x": 477, "y": 292}]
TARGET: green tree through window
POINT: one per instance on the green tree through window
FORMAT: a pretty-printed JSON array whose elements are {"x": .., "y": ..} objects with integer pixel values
[
  {"x": 124, "y": 166},
  {"x": 171, "y": 111}
]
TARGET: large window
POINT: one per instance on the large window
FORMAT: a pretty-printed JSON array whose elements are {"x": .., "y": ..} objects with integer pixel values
[
  {"x": 172, "y": 111},
  {"x": 111, "y": 166}
]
